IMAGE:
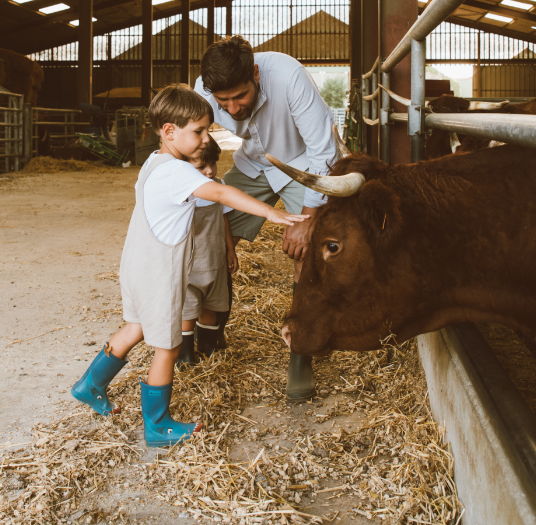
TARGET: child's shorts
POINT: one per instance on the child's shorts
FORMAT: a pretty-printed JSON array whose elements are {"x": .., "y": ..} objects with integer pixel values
[{"x": 206, "y": 290}]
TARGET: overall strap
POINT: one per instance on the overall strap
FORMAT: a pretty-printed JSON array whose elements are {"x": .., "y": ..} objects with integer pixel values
[{"x": 144, "y": 174}]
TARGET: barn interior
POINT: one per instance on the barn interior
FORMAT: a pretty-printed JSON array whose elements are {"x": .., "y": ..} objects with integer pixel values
[{"x": 76, "y": 79}]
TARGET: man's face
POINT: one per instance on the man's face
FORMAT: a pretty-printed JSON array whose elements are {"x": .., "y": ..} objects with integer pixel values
[{"x": 240, "y": 100}]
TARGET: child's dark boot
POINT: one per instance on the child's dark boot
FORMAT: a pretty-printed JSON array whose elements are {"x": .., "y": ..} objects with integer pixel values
[
  {"x": 207, "y": 339},
  {"x": 91, "y": 388},
  {"x": 160, "y": 429},
  {"x": 187, "y": 353}
]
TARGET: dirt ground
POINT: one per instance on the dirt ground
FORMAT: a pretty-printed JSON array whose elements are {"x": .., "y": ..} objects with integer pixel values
[{"x": 61, "y": 237}]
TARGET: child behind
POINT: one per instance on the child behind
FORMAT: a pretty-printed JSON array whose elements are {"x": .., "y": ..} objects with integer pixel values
[
  {"x": 207, "y": 296},
  {"x": 157, "y": 260}
]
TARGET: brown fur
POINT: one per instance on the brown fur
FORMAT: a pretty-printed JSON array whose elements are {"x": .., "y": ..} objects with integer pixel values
[
  {"x": 20, "y": 75},
  {"x": 423, "y": 246}
]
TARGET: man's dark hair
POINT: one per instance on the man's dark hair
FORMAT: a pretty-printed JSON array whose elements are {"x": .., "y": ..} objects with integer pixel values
[
  {"x": 211, "y": 153},
  {"x": 227, "y": 63}
]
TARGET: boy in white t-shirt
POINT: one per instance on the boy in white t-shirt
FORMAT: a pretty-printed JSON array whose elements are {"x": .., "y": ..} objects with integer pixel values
[
  {"x": 157, "y": 259},
  {"x": 207, "y": 297}
]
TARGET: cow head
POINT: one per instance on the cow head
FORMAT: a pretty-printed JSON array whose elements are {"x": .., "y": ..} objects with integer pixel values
[{"x": 338, "y": 297}]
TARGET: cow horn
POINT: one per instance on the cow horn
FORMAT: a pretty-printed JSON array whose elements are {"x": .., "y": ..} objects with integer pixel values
[
  {"x": 341, "y": 147},
  {"x": 342, "y": 186},
  {"x": 490, "y": 106},
  {"x": 398, "y": 98}
]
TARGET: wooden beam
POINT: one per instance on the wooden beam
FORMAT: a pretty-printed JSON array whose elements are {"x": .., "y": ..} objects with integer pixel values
[
  {"x": 147, "y": 52},
  {"x": 488, "y": 28},
  {"x": 355, "y": 40},
  {"x": 500, "y": 10},
  {"x": 185, "y": 42},
  {"x": 211, "y": 6},
  {"x": 34, "y": 44},
  {"x": 229, "y": 18},
  {"x": 62, "y": 16},
  {"x": 85, "y": 52}
]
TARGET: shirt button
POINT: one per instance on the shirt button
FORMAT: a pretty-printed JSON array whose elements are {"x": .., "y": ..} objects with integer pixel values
[{"x": 256, "y": 142}]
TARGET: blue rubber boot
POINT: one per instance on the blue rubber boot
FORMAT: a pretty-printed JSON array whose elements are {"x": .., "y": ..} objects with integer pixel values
[
  {"x": 160, "y": 429},
  {"x": 91, "y": 388}
]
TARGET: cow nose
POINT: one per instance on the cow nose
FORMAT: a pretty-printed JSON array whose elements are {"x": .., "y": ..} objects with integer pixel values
[{"x": 286, "y": 335}]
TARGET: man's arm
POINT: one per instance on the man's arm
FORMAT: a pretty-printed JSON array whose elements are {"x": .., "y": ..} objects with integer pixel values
[{"x": 313, "y": 120}]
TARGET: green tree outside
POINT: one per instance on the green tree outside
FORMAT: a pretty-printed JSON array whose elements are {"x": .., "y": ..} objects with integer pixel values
[{"x": 334, "y": 92}]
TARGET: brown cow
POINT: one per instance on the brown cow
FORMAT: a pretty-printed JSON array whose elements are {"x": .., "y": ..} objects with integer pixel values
[
  {"x": 20, "y": 75},
  {"x": 416, "y": 248}
]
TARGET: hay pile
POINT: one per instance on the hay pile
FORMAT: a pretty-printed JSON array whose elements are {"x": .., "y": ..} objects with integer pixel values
[
  {"x": 395, "y": 467},
  {"x": 50, "y": 165}
]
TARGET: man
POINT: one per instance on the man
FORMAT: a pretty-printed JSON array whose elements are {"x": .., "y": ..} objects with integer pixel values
[{"x": 272, "y": 103}]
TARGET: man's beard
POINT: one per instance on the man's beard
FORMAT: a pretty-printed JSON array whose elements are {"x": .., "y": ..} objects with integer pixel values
[{"x": 246, "y": 112}]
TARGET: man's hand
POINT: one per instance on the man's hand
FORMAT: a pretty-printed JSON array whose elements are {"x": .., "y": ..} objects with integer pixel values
[{"x": 296, "y": 238}]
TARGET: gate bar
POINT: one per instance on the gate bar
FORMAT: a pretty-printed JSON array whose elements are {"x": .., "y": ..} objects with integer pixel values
[
  {"x": 416, "y": 109},
  {"x": 513, "y": 129},
  {"x": 436, "y": 12}
]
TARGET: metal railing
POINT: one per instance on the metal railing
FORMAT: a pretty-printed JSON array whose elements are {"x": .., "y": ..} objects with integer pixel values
[
  {"x": 11, "y": 128},
  {"x": 57, "y": 125},
  {"x": 514, "y": 129}
]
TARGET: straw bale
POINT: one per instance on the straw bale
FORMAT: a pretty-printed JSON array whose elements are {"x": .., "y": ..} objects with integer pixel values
[
  {"x": 51, "y": 165},
  {"x": 396, "y": 466}
]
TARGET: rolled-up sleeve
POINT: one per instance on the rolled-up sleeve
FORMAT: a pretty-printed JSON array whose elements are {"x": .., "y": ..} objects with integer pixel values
[{"x": 313, "y": 120}]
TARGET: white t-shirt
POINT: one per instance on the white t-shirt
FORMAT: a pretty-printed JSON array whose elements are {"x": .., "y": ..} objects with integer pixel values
[
  {"x": 200, "y": 203},
  {"x": 165, "y": 194}
]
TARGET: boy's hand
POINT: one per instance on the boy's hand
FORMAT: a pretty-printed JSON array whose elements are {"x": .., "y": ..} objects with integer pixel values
[
  {"x": 283, "y": 217},
  {"x": 232, "y": 262}
]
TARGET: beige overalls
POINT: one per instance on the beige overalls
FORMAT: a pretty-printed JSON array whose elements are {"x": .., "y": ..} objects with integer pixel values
[
  {"x": 153, "y": 275},
  {"x": 208, "y": 278}
]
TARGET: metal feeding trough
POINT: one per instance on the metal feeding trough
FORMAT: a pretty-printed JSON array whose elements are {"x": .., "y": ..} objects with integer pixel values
[{"x": 491, "y": 429}]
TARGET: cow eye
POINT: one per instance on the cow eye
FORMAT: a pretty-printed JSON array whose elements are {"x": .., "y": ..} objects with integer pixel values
[{"x": 333, "y": 247}]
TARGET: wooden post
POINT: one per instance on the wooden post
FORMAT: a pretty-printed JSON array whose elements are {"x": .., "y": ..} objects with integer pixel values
[
  {"x": 211, "y": 6},
  {"x": 478, "y": 76},
  {"x": 146, "y": 52},
  {"x": 397, "y": 16},
  {"x": 185, "y": 41},
  {"x": 355, "y": 41},
  {"x": 85, "y": 51},
  {"x": 229, "y": 19}
]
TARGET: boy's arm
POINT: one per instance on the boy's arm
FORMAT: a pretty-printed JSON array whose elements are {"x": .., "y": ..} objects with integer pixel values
[
  {"x": 232, "y": 259},
  {"x": 238, "y": 200}
]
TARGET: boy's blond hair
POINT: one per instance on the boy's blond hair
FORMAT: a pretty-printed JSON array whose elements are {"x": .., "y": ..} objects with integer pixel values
[
  {"x": 178, "y": 104},
  {"x": 211, "y": 153}
]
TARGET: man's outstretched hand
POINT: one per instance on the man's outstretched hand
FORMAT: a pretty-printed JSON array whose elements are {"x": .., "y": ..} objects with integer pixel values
[{"x": 296, "y": 238}]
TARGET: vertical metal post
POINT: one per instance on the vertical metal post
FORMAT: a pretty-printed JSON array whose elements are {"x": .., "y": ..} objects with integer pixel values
[
  {"x": 27, "y": 127},
  {"x": 416, "y": 109},
  {"x": 229, "y": 19},
  {"x": 185, "y": 42},
  {"x": 384, "y": 119},
  {"x": 374, "y": 110},
  {"x": 85, "y": 51},
  {"x": 146, "y": 52},
  {"x": 365, "y": 90},
  {"x": 211, "y": 6}
]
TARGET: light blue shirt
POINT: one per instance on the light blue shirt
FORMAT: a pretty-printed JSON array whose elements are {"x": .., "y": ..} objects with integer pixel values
[{"x": 290, "y": 121}]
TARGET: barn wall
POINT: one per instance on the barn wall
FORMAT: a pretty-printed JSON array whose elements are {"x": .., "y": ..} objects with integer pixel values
[
  {"x": 507, "y": 81},
  {"x": 59, "y": 86}
]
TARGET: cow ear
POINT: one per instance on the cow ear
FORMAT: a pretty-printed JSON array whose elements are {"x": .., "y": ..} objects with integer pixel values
[{"x": 379, "y": 207}]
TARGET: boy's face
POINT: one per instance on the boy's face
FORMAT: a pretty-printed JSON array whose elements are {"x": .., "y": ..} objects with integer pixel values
[
  {"x": 208, "y": 169},
  {"x": 189, "y": 141}
]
